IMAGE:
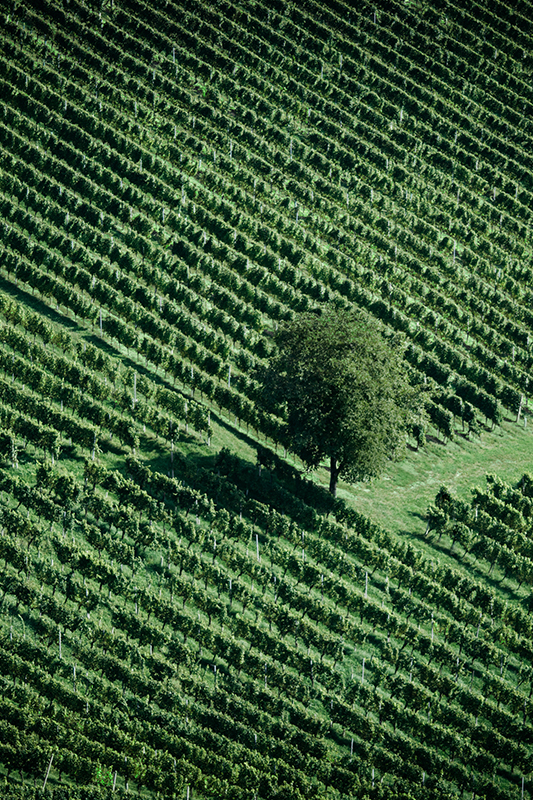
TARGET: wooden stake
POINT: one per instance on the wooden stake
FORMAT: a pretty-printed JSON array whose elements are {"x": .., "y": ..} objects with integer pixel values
[
  {"x": 520, "y": 408},
  {"x": 50, "y": 767}
]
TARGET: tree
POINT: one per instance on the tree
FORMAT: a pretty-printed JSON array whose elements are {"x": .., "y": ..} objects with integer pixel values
[{"x": 342, "y": 390}]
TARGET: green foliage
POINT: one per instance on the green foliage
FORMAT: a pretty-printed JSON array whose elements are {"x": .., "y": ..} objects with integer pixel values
[
  {"x": 343, "y": 392},
  {"x": 173, "y": 186}
]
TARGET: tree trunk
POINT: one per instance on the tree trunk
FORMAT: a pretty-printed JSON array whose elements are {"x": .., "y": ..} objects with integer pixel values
[{"x": 333, "y": 475}]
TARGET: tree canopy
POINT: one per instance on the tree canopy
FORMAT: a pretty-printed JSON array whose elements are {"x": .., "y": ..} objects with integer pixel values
[{"x": 343, "y": 392}]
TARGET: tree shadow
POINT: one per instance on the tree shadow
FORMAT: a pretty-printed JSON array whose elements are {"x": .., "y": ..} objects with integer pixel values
[{"x": 231, "y": 482}]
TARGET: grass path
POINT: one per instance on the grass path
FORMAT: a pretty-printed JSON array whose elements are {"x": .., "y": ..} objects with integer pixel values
[{"x": 399, "y": 499}]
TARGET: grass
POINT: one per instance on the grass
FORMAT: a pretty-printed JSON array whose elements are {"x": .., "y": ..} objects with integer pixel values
[
  {"x": 396, "y": 501},
  {"x": 399, "y": 499}
]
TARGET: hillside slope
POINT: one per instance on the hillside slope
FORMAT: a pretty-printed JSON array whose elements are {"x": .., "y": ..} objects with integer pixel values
[{"x": 176, "y": 618}]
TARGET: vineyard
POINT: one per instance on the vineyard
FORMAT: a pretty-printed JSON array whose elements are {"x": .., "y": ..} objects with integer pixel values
[{"x": 184, "y": 613}]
